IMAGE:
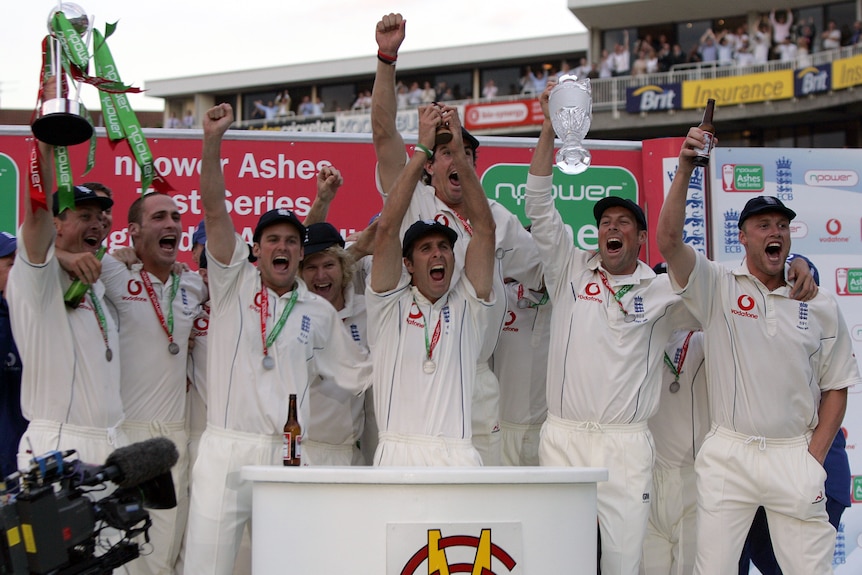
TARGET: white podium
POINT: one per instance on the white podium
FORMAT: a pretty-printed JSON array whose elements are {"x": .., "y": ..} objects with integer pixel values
[{"x": 415, "y": 521}]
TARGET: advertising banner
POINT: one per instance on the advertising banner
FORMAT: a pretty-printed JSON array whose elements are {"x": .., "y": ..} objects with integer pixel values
[
  {"x": 265, "y": 170},
  {"x": 824, "y": 189}
]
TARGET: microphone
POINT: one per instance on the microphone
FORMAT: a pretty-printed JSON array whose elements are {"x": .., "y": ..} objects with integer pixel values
[{"x": 139, "y": 462}]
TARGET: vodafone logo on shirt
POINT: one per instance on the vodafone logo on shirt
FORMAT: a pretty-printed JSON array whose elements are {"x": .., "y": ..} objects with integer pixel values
[
  {"x": 442, "y": 219},
  {"x": 134, "y": 289},
  {"x": 745, "y": 303},
  {"x": 591, "y": 290},
  {"x": 510, "y": 319},
  {"x": 415, "y": 317}
]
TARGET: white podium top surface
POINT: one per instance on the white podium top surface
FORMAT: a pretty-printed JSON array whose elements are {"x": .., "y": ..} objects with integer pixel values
[{"x": 424, "y": 475}]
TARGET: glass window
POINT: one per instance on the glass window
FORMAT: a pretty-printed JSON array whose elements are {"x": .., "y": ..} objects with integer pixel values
[{"x": 507, "y": 80}]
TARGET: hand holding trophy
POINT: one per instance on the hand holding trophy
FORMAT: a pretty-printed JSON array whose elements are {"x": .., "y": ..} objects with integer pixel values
[{"x": 571, "y": 107}]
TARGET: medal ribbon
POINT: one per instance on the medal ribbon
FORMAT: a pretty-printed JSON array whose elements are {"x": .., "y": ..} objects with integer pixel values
[
  {"x": 168, "y": 325},
  {"x": 100, "y": 315},
  {"x": 465, "y": 223},
  {"x": 618, "y": 295},
  {"x": 542, "y": 301},
  {"x": 677, "y": 369},
  {"x": 268, "y": 340},
  {"x": 435, "y": 338}
]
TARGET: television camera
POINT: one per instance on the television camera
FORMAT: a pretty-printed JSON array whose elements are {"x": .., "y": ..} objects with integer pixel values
[{"x": 61, "y": 517}]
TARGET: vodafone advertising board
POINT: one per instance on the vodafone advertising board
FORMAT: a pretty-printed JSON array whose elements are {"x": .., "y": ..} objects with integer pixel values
[{"x": 278, "y": 170}]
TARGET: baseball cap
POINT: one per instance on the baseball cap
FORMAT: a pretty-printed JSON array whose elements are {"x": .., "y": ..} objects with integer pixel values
[
  {"x": 761, "y": 204},
  {"x": 320, "y": 236},
  {"x": 200, "y": 235},
  {"x": 660, "y": 268},
  {"x": 614, "y": 201},
  {"x": 469, "y": 139},
  {"x": 83, "y": 194},
  {"x": 278, "y": 216},
  {"x": 8, "y": 244},
  {"x": 423, "y": 228}
]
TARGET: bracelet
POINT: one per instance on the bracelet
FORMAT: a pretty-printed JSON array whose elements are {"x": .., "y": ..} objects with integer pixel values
[
  {"x": 386, "y": 58},
  {"x": 424, "y": 148}
]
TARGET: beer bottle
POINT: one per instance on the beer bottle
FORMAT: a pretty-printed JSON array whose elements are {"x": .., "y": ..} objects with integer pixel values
[
  {"x": 292, "y": 435},
  {"x": 76, "y": 292},
  {"x": 702, "y": 158}
]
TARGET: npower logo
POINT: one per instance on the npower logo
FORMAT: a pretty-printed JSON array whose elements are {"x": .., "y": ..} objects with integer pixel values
[
  {"x": 435, "y": 555},
  {"x": 834, "y": 178}
]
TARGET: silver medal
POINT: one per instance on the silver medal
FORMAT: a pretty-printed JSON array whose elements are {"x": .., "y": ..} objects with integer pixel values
[
  {"x": 268, "y": 362},
  {"x": 173, "y": 348},
  {"x": 674, "y": 386},
  {"x": 523, "y": 304},
  {"x": 629, "y": 317},
  {"x": 429, "y": 366},
  {"x": 109, "y": 355}
]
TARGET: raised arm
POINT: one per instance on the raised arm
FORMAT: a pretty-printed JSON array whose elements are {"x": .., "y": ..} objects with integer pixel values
[
  {"x": 328, "y": 181},
  {"x": 388, "y": 143},
  {"x": 479, "y": 260},
  {"x": 542, "y": 163},
  {"x": 220, "y": 230},
  {"x": 680, "y": 257},
  {"x": 386, "y": 270},
  {"x": 37, "y": 229}
]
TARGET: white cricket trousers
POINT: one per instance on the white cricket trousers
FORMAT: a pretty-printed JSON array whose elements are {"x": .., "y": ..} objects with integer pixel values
[
  {"x": 220, "y": 499},
  {"x": 520, "y": 443},
  {"x": 624, "y": 499},
  {"x": 399, "y": 449},
  {"x": 485, "y": 415},
  {"x": 737, "y": 473},
  {"x": 166, "y": 533},
  {"x": 671, "y": 537}
]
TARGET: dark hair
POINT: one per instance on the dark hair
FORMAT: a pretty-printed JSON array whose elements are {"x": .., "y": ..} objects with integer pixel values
[
  {"x": 136, "y": 210},
  {"x": 97, "y": 187}
]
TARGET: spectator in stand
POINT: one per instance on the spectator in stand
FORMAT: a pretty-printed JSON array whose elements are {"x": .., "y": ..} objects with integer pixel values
[
  {"x": 282, "y": 100},
  {"x": 745, "y": 55},
  {"x": 174, "y": 122},
  {"x": 605, "y": 65},
  {"x": 447, "y": 95},
  {"x": 490, "y": 89},
  {"x": 761, "y": 43},
  {"x": 651, "y": 61},
  {"x": 806, "y": 29},
  {"x": 831, "y": 37},
  {"x": 708, "y": 49},
  {"x": 856, "y": 36},
  {"x": 621, "y": 59},
  {"x": 803, "y": 54},
  {"x": 401, "y": 95},
  {"x": 782, "y": 23},
  {"x": 565, "y": 68},
  {"x": 582, "y": 71},
  {"x": 189, "y": 120},
  {"x": 429, "y": 95},
  {"x": 725, "y": 51},
  {"x": 694, "y": 55},
  {"x": 676, "y": 57},
  {"x": 414, "y": 94},
  {"x": 317, "y": 107},
  {"x": 269, "y": 111},
  {"x": 639, "y": 67},
  {"x": 539, "y": 80},
  {"x": 306, "y": 108},
  {"x": 786, "y": 51}
]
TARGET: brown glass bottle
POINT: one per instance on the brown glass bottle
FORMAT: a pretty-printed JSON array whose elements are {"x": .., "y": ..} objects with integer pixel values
[
  {"x": 702, "y": 158},
  {"x": 292, "y": 435}
]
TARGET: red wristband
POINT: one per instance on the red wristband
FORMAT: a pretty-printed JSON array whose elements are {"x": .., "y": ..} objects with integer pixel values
[{"x": 386, "y": 58}]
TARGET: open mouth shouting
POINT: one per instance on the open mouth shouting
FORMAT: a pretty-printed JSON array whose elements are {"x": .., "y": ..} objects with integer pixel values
[
  {"x": 773, "y": 251},
  {"x": 454, "y": 179},
  {"x": 280, "y": 264},
  {"x": 168, "y": 243},
  {"x": 614, "y": 245},
  {"x": 93, "y": 241},
  {"x": 437, "y": 272}
]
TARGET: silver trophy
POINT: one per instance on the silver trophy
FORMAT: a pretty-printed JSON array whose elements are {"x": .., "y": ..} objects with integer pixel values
[
  {"x": 571, "y": 109},
  {"x": 60, "y": 122}
]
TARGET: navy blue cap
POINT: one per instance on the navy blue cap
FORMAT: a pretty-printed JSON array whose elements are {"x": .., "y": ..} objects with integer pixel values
[
  {"x": 8, "y": 244},
  {"x": 200, "y": 235},
  {"x": 83, "y": 194},
  {"x": 761, "y": 204},
  {"x": 424, "y": 228},
  {"x": 614, "y": 201},
  {"x": 321, "y": 236},
  {"x": 278, "y": 216}
]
